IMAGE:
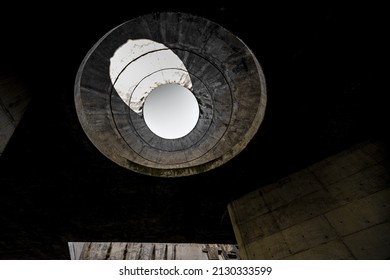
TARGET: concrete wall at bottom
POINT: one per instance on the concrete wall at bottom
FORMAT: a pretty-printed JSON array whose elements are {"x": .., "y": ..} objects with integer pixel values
[{"x": 338, "y": 208}]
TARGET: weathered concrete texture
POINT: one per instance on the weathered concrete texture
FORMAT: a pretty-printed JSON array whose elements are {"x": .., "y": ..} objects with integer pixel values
[
  {"x": 335, "y": 209},
  {"x": 228, "y": 83},
  {"x": 14, "y": 98},
  {"x": 151, "y": 251}
]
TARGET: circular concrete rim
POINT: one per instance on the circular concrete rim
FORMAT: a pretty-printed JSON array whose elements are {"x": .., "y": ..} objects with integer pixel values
[{"x": 228, "y": 83}]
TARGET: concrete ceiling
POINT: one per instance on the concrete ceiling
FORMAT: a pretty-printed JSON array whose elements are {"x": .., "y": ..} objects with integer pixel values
[{"x": 324, "y": 83}]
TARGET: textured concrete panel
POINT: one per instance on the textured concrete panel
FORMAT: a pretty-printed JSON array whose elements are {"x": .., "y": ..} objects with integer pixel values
[
  {"x": 251, "y": 205},
  {"x": 305, "y": 208},
  {"x": 370, "y": 244},
  {"x": 361, "y": 184},
  {"x": 345, "y": 217},
  {"x": 309, "y": 234},
  {"x": 272, "y": 247},
  {"x": 290, "y": 188},
  {"x": 258, "y": 227},
  {"x": 378, "y": 150},
  {"x": 376, "y": 207},
  {"x": 298, "y": 185},
  {"x": 361, "y": 214},
  {"x": 295, "y": 239},
  {"x": 272, "y": 196},
  {"x": 190, "y": 251},
  {"x": 254, "y": 251},
  {"x": 250, "y": 230},
  {"x": 341, "y": 166},
  {"x": 334, "y": 250}
]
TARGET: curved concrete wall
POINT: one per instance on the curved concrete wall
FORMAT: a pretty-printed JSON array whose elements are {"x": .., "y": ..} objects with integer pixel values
[{"x": 227, "y": 81}]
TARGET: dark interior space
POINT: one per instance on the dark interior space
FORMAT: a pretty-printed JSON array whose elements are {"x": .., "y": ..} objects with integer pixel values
[{"x": 323, "y": 68}]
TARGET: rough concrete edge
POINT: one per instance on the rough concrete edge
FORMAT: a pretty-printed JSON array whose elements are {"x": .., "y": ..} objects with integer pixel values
[
  {"x": 75, "y": 249},
  {"x": 237, "y": 232}
]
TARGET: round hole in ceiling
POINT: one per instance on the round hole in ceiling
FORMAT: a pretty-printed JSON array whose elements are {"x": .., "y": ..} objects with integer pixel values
[
  {"x": 141, "y": 57},
  {"x": 171, "y": 111}
]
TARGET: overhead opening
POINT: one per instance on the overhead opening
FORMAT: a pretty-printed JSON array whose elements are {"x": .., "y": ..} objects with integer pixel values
[{"x": 171, "y": 111}]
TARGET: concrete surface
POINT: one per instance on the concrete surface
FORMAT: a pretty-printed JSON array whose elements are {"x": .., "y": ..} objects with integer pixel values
[
  {"x": 14, "y": 98},
  {"x": 337, "y": 208},
  {"x": 227, "y": 81}
]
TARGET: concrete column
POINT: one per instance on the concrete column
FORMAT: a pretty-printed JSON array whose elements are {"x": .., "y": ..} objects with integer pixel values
[{"x": 14, "y": 98}]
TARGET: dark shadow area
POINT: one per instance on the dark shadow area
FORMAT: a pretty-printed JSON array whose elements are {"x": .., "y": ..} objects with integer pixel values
[{"x": 323, "y": 68}]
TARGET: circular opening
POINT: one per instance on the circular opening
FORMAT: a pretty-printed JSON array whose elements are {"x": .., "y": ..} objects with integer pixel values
[{"x": 171, "y": 111}]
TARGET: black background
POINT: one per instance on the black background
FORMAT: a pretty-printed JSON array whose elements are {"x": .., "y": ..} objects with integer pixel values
[{"x": 324, "y": 68}]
